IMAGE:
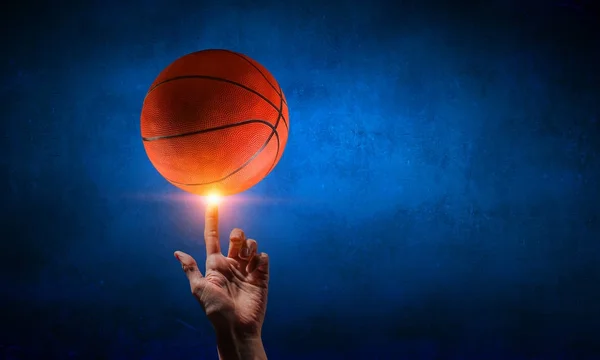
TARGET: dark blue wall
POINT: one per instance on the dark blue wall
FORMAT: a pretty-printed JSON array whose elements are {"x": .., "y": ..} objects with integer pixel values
[{"x": 438, "y": 197}]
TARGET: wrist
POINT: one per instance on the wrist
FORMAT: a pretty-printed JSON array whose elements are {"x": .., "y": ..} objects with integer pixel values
[{"x": 232, "y": 345}]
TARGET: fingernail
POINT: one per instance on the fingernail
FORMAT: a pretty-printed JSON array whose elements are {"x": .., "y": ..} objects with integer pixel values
[
  {"x": 245, "y": 252},
  {"x": 176, "y": 256}
]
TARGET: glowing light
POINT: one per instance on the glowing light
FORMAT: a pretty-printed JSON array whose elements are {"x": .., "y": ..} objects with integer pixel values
[{"x": 213, "y": 199}]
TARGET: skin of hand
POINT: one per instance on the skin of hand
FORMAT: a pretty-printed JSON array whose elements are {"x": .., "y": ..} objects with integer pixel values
[{"x": 233, "y": 291}]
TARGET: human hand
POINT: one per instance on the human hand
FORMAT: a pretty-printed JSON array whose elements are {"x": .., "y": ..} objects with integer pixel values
[{"x": 233, "y": 292}]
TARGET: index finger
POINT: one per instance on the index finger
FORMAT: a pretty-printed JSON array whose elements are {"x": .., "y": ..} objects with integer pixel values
[{"x": 211, "y": 229}]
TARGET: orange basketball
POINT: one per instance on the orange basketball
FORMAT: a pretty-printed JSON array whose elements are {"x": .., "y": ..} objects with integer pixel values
[{"x": 214, "y": 121}]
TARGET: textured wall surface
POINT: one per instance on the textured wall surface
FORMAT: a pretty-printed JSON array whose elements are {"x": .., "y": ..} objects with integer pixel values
[{"x": 438, "y": 197}]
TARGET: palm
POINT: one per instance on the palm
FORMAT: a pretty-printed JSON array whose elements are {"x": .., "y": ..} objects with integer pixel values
[{"x": 234, "y": 291}]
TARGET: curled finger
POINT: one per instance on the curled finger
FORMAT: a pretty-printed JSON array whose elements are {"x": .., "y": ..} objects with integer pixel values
[
  {"x": 248, "y": 250},
  {"x": 237, "y": 240}
]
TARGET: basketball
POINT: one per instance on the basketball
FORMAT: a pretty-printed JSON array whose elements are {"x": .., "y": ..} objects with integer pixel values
[{"x": 214, "y": 121}]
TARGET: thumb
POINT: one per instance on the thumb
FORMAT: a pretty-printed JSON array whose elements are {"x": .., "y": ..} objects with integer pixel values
[{"x": 190, "y": 267}]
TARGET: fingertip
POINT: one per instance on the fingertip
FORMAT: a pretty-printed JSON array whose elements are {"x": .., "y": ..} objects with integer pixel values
[
  {"x": 252, "y": 246},
  {"x": 184, "y": 258},
  {"x": 179, "y": 254},
  {"x": 263, "y": 262},
  {"x": 237, "y": 235}
]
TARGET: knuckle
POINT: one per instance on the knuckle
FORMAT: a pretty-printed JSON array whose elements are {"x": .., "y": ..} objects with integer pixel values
[
  {"x": 211, "y": 233},
  {"x": 196, "y": 287},
  {"x": 188, "y": 268}
]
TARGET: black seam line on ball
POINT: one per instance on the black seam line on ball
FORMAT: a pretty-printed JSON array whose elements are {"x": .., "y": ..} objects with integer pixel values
[
  {"x": 278, "y": 90},
  {"x": 252, "y": 121},
  {"x": 216, "y": 79},
  {"x": 280, "y": 112},
  {"x": 238, "y": 169},
  {"x": 277, "y": 123},
  {"x": 273, "y": 132},
  {"x": 247, "y": 59}
]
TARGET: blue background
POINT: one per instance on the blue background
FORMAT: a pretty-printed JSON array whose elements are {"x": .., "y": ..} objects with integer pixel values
[{"x": 438, "y": 197}]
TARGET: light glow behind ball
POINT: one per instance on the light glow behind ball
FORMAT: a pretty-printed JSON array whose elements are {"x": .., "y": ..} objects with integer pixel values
[{"x": 213, "y": 199}]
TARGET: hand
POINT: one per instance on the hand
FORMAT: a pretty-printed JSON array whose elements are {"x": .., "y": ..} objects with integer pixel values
[{"x": 233, "y": 293}]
